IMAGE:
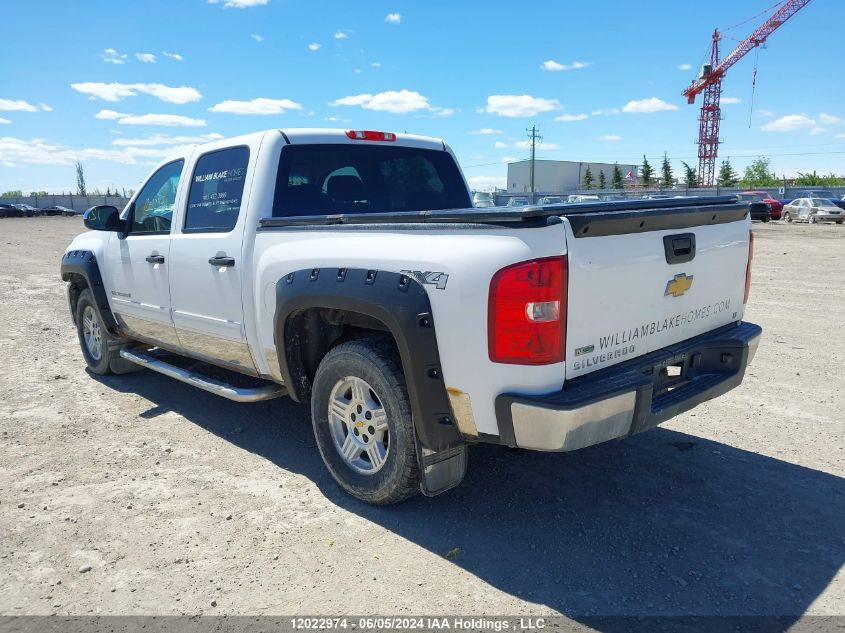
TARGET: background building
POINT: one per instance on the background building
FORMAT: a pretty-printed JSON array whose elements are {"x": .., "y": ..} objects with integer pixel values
[{"x": 561, "y": 176}]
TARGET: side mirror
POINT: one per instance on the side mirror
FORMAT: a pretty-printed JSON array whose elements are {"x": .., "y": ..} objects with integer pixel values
[{"x": 103, "y": 218}]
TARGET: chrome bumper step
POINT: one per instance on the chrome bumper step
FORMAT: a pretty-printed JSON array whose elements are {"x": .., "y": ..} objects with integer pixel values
[{"x": 206, "y": 383}]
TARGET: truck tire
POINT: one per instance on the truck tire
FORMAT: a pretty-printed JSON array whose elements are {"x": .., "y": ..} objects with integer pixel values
[
  {"x": 100, "y": 348},
  {"x": 362, "y": 422}
]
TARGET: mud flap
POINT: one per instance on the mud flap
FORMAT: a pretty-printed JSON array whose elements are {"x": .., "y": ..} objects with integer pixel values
[{"x": 441, "y": 470}]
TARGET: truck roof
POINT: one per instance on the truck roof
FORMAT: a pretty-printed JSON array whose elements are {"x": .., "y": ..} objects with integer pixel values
[{"x": 330, "y": 135}]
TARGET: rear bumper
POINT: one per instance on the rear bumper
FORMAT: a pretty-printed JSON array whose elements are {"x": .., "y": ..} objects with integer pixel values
[{"x": 630, "y": 397}]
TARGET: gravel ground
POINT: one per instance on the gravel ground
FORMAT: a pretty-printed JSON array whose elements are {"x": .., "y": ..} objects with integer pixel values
[{"x": 139, "y": 495}]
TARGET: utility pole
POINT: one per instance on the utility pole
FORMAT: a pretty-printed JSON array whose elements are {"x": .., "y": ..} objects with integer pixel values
[{"x": 534, "y": 136}]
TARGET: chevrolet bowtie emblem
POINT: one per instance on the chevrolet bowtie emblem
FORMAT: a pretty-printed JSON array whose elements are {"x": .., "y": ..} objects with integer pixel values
[{"x": 678, "y": 285}]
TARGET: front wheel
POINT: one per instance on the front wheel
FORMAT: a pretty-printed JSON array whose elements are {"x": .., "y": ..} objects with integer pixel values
[
  {"x": 362, "y": 422},
  {"x": 100, "y": 348},
  {"x": 786, "y": 217},
  {"x": 812, "y": 219}
]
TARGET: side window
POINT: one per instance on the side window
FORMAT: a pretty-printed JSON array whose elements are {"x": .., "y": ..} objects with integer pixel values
[
  {"x": 217, "y": 188},
  {"x": 154, "y": 204}
]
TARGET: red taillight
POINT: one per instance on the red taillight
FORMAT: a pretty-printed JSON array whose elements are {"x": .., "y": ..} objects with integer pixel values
[
  {"x": 748, "y": 266},
  {"x": 370, "y": 135},
  {"x": 526, "y": 313}
]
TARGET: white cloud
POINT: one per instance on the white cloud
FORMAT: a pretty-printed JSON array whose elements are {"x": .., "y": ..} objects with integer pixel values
[
  {"x": 45, "y": 107},
  {"x": 647, "y": 106},
  {"x": 829, "y": 119},
  {"x": 261, "y": 105},
  {"x": 540, "y": 145},
  {"x": 684, "y": 66},
  {"x": 765, "y": 113},
  {"x": 147, "y": 58},
  {"x": 817, "y": 130},
  {"x": 607, "y": 112},
  {"x": 4, "y": 121},
  {"x": 518, "y": 106},
  {"x": 38, "y": 151},
  {"x": 166, "y": 120},
  {"x": 789, "y": 123},
  {"x": 486, "y": 182},
  {"x": 117, "y": 91},
  {"x": 730, "y": 100},
  {"x": 500, "y": 145},
  {"x": 239, "y": 4},
  {"x": 840, "y": 135},
  {"x": 396, "y": 102},
  {"x": 509, "y": 159},
  {"x": 571, "y": 117},
  {"x": 554, "y": 66},
  {"x": 486, "y": 131},
  {"x": 166, "y": 139},
  {"x": 393, "y": 18},
  {"x": 110, "y": 115},
  {"x": 175, "y": 56},
  {"x": 113, "y": 57},
  {"x": 609, "y": 137},
  {"x": 357, "y": 71},
  {"x": 257, "y": 37},
  {"x": 376, "y": 64},
  {"x": 16, "y": 105},
  {"x": 340, "y": 35},
  {"x": 314, "y": 46}
]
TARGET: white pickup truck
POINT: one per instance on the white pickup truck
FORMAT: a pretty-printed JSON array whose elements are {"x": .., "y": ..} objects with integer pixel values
[{"x": 349, "y": 269}]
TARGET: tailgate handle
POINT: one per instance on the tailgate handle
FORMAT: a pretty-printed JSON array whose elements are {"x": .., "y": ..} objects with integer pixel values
[{"x": 679, "y": 248}]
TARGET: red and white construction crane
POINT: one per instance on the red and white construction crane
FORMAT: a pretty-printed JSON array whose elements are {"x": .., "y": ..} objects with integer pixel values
[{"x": 709, "y": 82}]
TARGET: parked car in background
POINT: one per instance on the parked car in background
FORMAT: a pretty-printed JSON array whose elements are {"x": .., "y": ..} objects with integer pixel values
[
  {"x": 482, "y": 200},
  {"x": 52, "y": 210},
  {"x": 551, "y": 200},
  {"x": 27, "y": 209},
  {"x": 518, "y": 201},
  {"x": 576, "y": 199},
  {"x": 813, "y": 210},
  {"x": 776, "y": 206},
  {"x": 825, "y": 194},
  {"x": 9, "y": 211}
]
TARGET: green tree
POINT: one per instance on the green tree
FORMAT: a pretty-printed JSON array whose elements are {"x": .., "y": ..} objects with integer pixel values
[
  {"x": 646, "y": 172},
  {"x": 17, "y": 193},
  {"x": 36, "y": 194},
  {"x": 616, "y": 178},
  {"x": 602, "y": 180},
  {"x": 80, "y": 180},
  {"x": 690, "y": 177},
  {"x": 727, "y": 175},
  {"x": 667, "y": 179},
  {"x": 758, "y": 174},
  {"x": 587, "y": 180},
  {"x": 814, "y": 180}
]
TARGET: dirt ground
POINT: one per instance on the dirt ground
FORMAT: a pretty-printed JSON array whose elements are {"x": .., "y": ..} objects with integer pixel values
[{"x": 182, "y": 502}]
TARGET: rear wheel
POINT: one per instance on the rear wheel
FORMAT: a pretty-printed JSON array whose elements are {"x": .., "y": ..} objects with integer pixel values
[{"x": 362, "y": 422}]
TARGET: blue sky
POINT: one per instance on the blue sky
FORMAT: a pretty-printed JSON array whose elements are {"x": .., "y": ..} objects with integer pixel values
[{"x": 118, "y": 85}]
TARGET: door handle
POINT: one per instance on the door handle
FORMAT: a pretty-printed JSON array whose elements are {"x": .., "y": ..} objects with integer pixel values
[
  {"x": 679, "y": 248},
  {"x": 222, "y": 260},
  {"x": 155, "y": 259}
]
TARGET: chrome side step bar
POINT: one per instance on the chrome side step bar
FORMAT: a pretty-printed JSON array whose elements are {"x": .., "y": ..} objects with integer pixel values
[{"x": 238, "y": 394}]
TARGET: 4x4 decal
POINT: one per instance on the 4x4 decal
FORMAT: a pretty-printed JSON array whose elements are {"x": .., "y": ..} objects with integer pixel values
[{"x": 436, "y": 279}]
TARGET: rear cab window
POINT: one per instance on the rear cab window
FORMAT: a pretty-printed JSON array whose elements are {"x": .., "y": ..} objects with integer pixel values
[
  {"x": 216, "y": 194},
  {"x": 352, "y": 179}
]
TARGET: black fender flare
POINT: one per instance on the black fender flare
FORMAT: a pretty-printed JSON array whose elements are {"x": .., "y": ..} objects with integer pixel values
[
  {"x": 402, "y": 305},
  {"x": 84, "y": 264}
]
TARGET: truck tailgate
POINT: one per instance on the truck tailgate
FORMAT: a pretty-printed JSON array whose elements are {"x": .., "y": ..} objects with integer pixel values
[{"x": 633, "y": 290}]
